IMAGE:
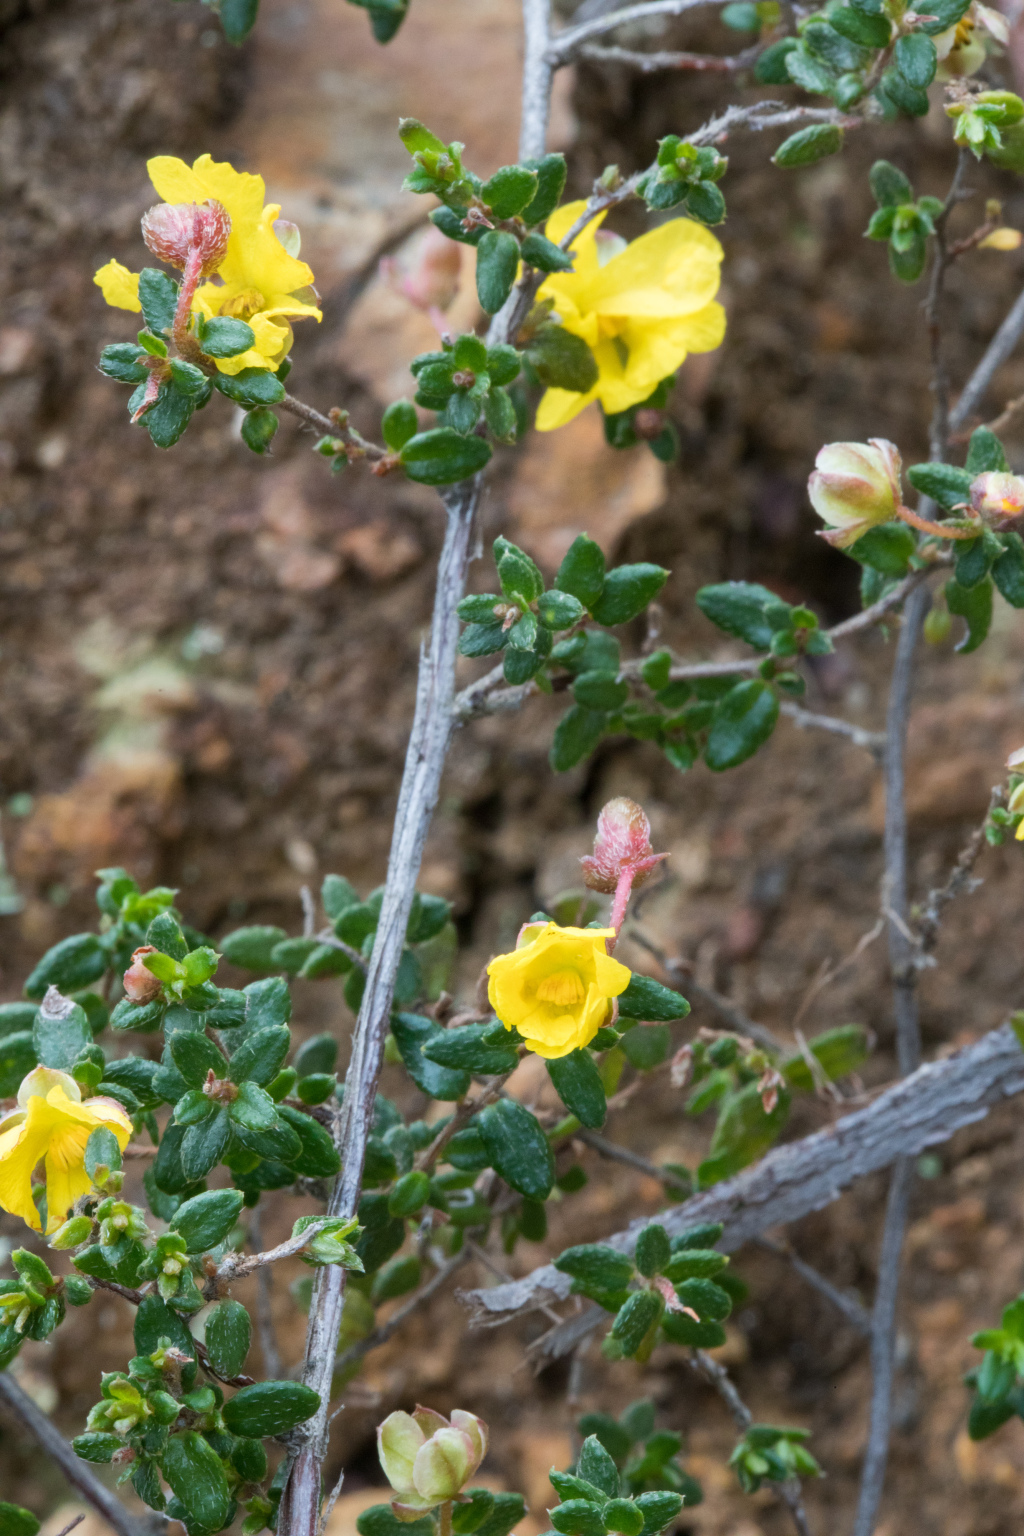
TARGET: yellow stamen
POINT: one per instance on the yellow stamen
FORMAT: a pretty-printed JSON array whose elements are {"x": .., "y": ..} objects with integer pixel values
[
  {"x": 245, "y": 304},
  {"x": 563, "y": 988}
]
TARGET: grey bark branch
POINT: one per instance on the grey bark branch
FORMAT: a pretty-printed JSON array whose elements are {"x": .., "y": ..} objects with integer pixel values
[
  {"x": 999, "y": 349},
  {"x": 807, "y": 720},
  {"x": 568, "y": 41},
  {"x": 920, "y": 1111},
  {"x": 537, "y": 71},
  {"x": 78, "y": 1474}
]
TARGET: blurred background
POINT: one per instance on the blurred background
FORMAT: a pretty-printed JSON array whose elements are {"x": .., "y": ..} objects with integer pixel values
[{"x": 207, "y": 663}]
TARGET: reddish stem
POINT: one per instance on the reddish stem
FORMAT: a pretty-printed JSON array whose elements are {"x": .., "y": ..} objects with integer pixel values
[
  {"x": 184, "y": 342},
  {"x": 620, "y": 902},
  {"x": 940, "y": 530}
]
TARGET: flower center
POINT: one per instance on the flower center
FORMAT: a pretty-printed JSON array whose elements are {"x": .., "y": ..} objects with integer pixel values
[
  {"x": 245, "y": 304},
  {"x": 563, "y": 988},
  {"x": 964, "y": 32}
]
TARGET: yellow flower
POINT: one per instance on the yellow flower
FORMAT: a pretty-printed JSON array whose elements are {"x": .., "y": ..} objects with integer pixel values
[
  {"x": 640, "y": 312},
  {"x": 258, "y": 281},
  {"x": 52, "y": 1125},
  {"x": 556, "y": 987}
]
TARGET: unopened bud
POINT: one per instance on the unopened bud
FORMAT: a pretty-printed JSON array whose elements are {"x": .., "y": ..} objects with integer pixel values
[
  {"x": 430, "y": 280},
  {"x": 649, "y": 424},
  {"x": 995, "y": 495},
  {"x": 623, "y": 842},
  {"x": 140, "y": 985},
  {"x": 174, "y": 231},
  {"x": 854, "y": 486},
  {"x": 72, "y": 1233}
]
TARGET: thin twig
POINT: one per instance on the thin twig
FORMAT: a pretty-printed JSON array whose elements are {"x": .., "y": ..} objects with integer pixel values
[
  {"x": 78, "y": 1474},
  {"x": 127, "y": 1293},
  {"x": 236, "y": 1265},
  {"x": 71, "y": 1525},
  {"x": 461, "y": 1118},
  {"x": 308, "y": 912},
  {"x": 265, "y": 1304},
  {"x": 806, "y": 720},
  {"x": 334, "y": 425},
  {"x": 651, "y": 63},
  {"x": 996, "y": 354},
  {"x": 959, "y": 881},
  {"x": 828, "y": 972},
  {"x": 329, "y": 937},
  {"x": 1006, "y": 415},
  {"x": 731, "y": 1012},
  {"x": 618, "y": 1154},
  {"x": 942, "y": 260},
  {"x": 566, "y": 43},
  {"x": 718, "y": 1377},
  {"x": 856, "y": 1314},
  {"x": 790, "y": 1181},
  {"x": 385, "y": 1331}
]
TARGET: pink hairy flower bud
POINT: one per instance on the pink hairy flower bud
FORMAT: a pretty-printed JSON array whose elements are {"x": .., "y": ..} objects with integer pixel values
[
  {"x": 140, "y": 985},
  {"x": 623, "y": 843},
  {"x": 174, "y": 231}
]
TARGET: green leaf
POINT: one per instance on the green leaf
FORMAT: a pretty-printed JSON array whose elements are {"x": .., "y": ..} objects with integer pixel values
[
  {"x": 600, "y": 691},
  {"x": 582, "y": 572},
  {"x": 916, "y": 59},
  {"x": 260, "y": 1056},
  {"x": 653, "y": 1251},
  {"x": 380, "y": 1520},
  {"x": 472, "y": 1048},
  {"x": 946, "y": 13},
  {"x": 155, "y": 1320},
  {"x": 121, "y": 362},
  {"x": 648, "y": 1000},
  {"x": 206, "y": 1219},
  {"x": 597, "y": 1467},
  {"x": 60, "y": 1037},
  {"x": 680, "y": 1329},
  {"x": 1008, "y": 570},
  {"x": 627, "y": 591},
  {"x": 517, "y": 573},
  {"x": 974, "y": 557},
  {"x": 985, "y": 453},
  {"x": 399, "y": 423},
  {"x": 562, "y": 360},
  {"x": 228, "y": 1336},
  {"x": 695, "y": 1264},
  {"x": 948, "y": 486},
  {"x": 709, "y": 1301},
  {"x": 443, "y": 456},
  {"x": 102, "y": 1149},
  {"x": 578, "y": 1084},
  {"x": 646, "y": 1047},
  {"x": 596, "y": 1268},
  {"x": 95, "y": 1447},
  {"x": 635, "y": 1319},
  {"x": 196, "y": 1475},
  {"x": 251, "y": 947},
  {"x": 578, "y": 1517},
  {"x": 743, "y": 721},
  {"x": 224, "y": 337},
  {"x": 887, "y": 548},
  {"x": 807, "y": 71},
  {"x": 542, "y": 253},
  {"x": 576, "y": 735},
  {"x": 318, "y": 1054},
  {"x": 69, "y": 966},
  {"x": 973, "y": 604},
  {"x": 238, "y": 17},
  {"x": 497, "y": 261},
  {"x": 908, "y": 99},
  {"x": 318, "y": 1157},
  {"x": 985, "y": 1418},
  {"x": 739, "y": 608},
  {"x": 770, "y": 68},
  {"x": 17, "y": 1058},
  {"x": 551, "y": 174},
  {"x": 870, "y": 30},
  {"x": 810, "y": 144},
  {"x": 412, "y": 1032},
  {"x": 518, "y": 1148},
  {"x": 890, "y": 187},
  {"x": 195, "y": 1056},
  {"x": 204, "y": 1145},
  {"x": 269, "y": 1408},
  {"x": 742, "y": 1133},
  {"x": 659, "y": 1508},
  {"x": 158, "y": 296},
  {"x": 252, "y": 386},
  {"x": 260, "y": 424},
  {"x": 840, "y": 1051},
  {"x": 510, "y": 190},
  {"x": 16, "y": 1521},
  {"x": 396, "y": 1278}
]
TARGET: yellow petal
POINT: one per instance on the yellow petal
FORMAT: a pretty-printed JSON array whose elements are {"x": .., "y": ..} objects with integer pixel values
[
  {"x": 119, "y": 287},
  {"x": 20, "y": 1150},
  {"x": 670, "y": 271},
  {"x": 66, "y": 1178},
  {"x": 242, "y": 194},
  {"x": 559, "y": 406},
  {"x": 584, "y": 247}
]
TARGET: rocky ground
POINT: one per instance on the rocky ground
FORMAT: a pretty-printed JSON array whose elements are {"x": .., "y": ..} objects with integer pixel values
[{"x": 207, "y": 663}]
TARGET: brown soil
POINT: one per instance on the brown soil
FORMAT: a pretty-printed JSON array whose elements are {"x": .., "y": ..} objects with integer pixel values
[{"x": 208, "y": 661}]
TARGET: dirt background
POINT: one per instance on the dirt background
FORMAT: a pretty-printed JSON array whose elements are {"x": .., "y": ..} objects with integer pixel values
[{"x": 208, "y": 661}]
